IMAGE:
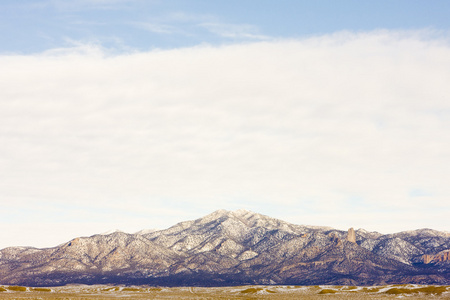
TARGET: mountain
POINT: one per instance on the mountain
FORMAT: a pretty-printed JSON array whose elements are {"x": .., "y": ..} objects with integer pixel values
[{"x": 235, "y": 248}]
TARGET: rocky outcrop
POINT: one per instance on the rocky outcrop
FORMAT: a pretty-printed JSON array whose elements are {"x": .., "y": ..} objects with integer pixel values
[
  {"x": 351, "y": 235},
  {"x": 234, "y": 248},
  {"x": 440, "y": 257}
]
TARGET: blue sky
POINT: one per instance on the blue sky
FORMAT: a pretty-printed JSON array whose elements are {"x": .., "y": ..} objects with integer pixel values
[
  {"x": 35, "y": 26},
  {"x": 135, "y": 114}
]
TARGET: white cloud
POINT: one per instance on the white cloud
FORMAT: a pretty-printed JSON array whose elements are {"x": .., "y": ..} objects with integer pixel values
[
  {"x": 157, "y": 28},
  {"x": 234, "y": 31},
  {"x": 188, "y": 24},
  {"x": 185, "y": 17},
  {"x": 335, "y": 130}
]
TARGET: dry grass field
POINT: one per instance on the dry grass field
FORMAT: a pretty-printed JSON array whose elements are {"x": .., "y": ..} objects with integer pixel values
[{"x": 237, "y": 292}]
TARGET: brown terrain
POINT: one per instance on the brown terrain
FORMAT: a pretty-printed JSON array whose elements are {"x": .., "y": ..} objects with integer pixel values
[{"x": 237, "y": 292}]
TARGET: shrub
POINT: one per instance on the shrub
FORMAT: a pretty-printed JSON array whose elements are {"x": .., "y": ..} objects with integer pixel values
[
  {"x": 130, "y": 289},
  {"x": 17, "y": 288},
  {"x": 432, "y": 289},
  {"x": 425, "y": 290},
  {"x": 398, "y": 291},
  {"x": 370, "y": 290},
  {"x": 2, "y": 289},
  {"x": 41, "y": 289},
  {"x": 251, "y": 290},
  {"x": 327, "y": 291}
]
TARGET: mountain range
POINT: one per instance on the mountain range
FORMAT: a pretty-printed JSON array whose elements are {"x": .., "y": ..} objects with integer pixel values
[{"x": 235, "y": 248}]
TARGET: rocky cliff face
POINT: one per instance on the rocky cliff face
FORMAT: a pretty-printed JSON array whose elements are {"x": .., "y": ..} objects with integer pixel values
[
  {"x": 443, "y": 256},
  {"x": 351, "y": 235},
  {"x": 234, "y": 248}
]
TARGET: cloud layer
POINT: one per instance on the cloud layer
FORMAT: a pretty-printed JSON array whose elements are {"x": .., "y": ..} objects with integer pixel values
[{"x": 348, "y": 129}]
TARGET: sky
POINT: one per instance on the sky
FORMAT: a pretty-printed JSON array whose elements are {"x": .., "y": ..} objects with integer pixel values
[{"x": 133, "y": 114}]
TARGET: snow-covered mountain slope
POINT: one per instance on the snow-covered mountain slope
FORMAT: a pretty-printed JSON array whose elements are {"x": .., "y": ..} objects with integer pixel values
[{"x": 235, "y": 247}]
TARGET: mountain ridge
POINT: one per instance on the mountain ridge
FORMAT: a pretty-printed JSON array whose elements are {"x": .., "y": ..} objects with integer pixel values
[{"x": 234, "y": 248}]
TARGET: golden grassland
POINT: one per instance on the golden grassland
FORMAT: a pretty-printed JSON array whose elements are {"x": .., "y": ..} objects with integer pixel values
[{"x": 235, "y": 292}]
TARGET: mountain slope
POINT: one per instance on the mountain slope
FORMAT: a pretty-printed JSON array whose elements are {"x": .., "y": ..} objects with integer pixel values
[{"x": 235, "y": 247}]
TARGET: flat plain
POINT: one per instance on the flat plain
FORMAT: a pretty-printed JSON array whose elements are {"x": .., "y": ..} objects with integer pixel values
[{"x": 235, "y": 292}]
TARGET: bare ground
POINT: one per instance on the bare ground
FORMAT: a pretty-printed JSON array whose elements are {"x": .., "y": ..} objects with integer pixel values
[{"x": 239, "y": 292}]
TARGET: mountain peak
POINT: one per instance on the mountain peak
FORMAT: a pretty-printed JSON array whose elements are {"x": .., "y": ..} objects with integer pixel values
[
  {"x": 242, "y": 214},
  {"x": 214, "y": 216},
  {"x": 111, "y": 232},
  {"x": 234, "y": 248}
]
